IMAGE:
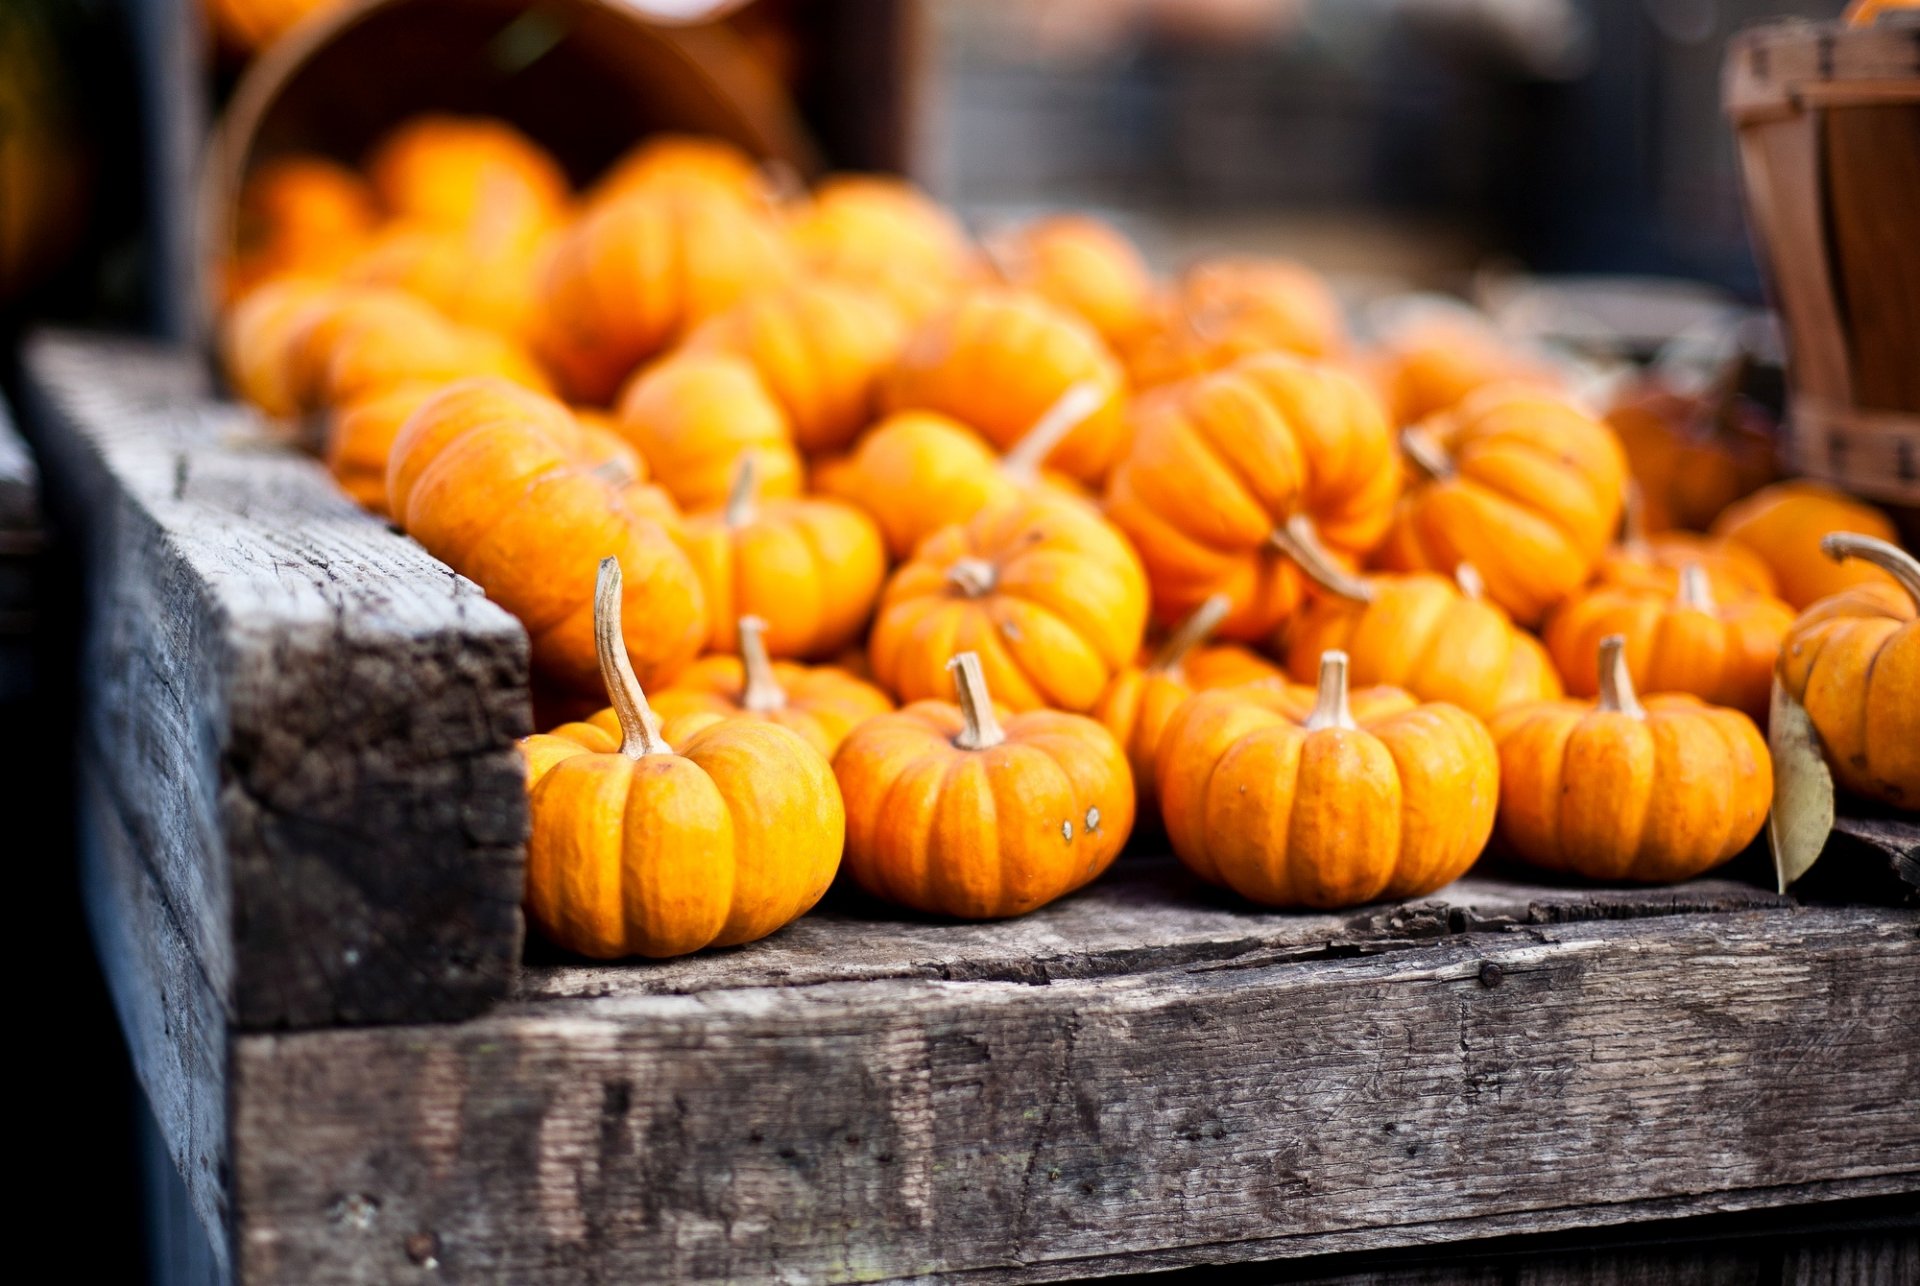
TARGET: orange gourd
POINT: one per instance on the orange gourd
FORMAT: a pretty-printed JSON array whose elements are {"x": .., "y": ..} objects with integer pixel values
[
  {"x": 475, "y": 174},
  {"x": 952, "y": 811},
  {"x": 358, "y": 341},
  {"x": 881, "y": 233},
  {"x": 1680, "y": 640},
  {"x": 1625, "y": 789},
  {"x": 667, "y": 164},
  {"x": 297, "y": 214},
  {"x": 1521, "y": 484},
  {"x": 697, "y": 416},
  {"x": 1219, "y": 464},
  {"x": 1292, "y": 797},
  {"x": 257, "y": 336},
  {"x": 1642, "y": 561},
  {"x": 998, "y": 359},
  {"x": 1049, "y": 595},
  {"x": 1141, "y": 699},
  {"x": 1227, "y": 308},
  {"x": 1853, "y": 661},
  {"x": 822, "y": 702},
  {"x": 1434, "y": 363},
  {"x": 657, "y": 841},
  {"x": 361, "y": 434},
  {"x": 1784, "y": 525},
  {"x": 245, "y": 26},
  {"x": 490, "y": 283},
  {"x": 486, "y": 476},
  {"x": 1083, "y": 265},
  {"x": 810, "y": 568},
  {"x": 1692, "y": 456}
]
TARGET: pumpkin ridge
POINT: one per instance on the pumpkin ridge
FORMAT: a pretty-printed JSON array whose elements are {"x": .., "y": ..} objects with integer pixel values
[{"x": 1254, "y": 395}]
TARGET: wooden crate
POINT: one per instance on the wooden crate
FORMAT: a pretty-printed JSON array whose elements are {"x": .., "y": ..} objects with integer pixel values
[{"x": 302, "y": 819}]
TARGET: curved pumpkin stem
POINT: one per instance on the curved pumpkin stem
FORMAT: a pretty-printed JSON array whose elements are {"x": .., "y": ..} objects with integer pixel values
[
  {"x": 1633, "y": 517},
  {"x": 1192, "y": 632},
  {"x": 1471, "y": 583},
  {"x": 740, "y": 496},
  {"x": 1889, "y": 558},
  {"x": 982, "y": 730},
  {"x": 1330, "y": 709},
  {"x": 761, "y": 692},
  {"x": 1427, "y": 455},
  {"x": 1696, "y": 589},
  {"x": 1616, "y": 685},
  {"x": 615, "y": 472},
  {"x": 639, "y": 725},
  {"x": 1297, "y": 539},
  {"x": 1022, "y": 462},
  {"x": 974, "y": 577}
]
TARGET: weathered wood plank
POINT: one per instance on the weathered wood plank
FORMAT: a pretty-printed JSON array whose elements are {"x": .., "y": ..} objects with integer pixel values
[
  {"x": 306, "y": 721},
  {"x": 900, "y": 1129}
]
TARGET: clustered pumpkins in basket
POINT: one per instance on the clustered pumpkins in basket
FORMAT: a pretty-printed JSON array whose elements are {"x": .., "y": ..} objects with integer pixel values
[{"x": 754, "y": 466}]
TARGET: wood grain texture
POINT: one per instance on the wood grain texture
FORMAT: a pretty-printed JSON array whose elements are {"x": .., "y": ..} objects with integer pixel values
[
  {"x": 1218, "y": 1110},
  {"x": 306, "y": 721}
]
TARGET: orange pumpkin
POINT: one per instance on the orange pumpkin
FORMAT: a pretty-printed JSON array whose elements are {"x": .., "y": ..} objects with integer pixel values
[
  {"x": 1676, "y": 641},
  {"x": 1437, "y": 638},
  {"x": 666, "y": 164},
  {"x": 1853, "y": 661},
  {"x": 952, "y": 811},
  {"x": 245, "y": 26},
  {"x": 697, "y": 416},
  {"x": 475, "y": 173},
  {"x": 1434, "y": 363},
  {"x": 1217, "y": 465},
  {"x": 360, "y": 436},
  {"x": 810, "y": 568},
  {"x": 488, "y": 283},
  {"x": 1784, "y": 524},
  {"x": 1297, "y": 798},
  {"x": 820, "y": 347},
  {"x": 1051, "y": 597},
  {"x": 822, "y": 703},
  {"x": 1621, "y": 789},
  {"x": 1227, "y": 308},
  {"x": 298, "y": 214},
  {"x": 257, "y": 337},
  {"x": 881, "y": 233},
  {"x": 1083, "y": 265},
  {"x": 1519, "y": 483},
  {"x": 1137, "y": 704},
  {"x": 1654, "y": 562},
  {"x": 647, "y": 846},
  {"x": 1691, "y": 457},
  {"x": 630, "y": 277},
  {"x": 998, "y": 359},
  {"x": 359, "y": 341},
  {"x": 486, "y": 476}
]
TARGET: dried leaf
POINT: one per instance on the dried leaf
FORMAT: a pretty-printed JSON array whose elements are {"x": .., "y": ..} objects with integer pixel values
[{"x": 1802, "y": 815}]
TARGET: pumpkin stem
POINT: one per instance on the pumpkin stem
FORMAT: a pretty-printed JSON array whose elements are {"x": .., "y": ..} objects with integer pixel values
[
  {"x": 974, "y": 577},
  {"x": 639, "y": 725},
  {"x": 761, "y": 693},
  {"x": 1427, "y": 455},
  {"x": 1022, "y": 462},
  {"x": 1297, "y": 539},
  {"x": 1889, "y": 558},
  {"x": 1191, "y": 633},
  {"x": 1696, "y": 590},
  {"x": 615, "y": 472},
  {"x": 1633, "y": 517},
  {"x": 1471, "y": 583},
  {"x": 982, "y": 730},
  {"x": 740, "y": 497},
  {"x": 1330, "y": 709},
  {"x": 1616, "y": 685}
]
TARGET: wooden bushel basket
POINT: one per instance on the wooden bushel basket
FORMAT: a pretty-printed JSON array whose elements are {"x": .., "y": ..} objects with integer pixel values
[{"x": 1828, "y": 119}]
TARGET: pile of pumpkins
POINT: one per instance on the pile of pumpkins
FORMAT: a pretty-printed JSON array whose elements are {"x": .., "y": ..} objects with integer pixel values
[{"x": 949, "y": 560}]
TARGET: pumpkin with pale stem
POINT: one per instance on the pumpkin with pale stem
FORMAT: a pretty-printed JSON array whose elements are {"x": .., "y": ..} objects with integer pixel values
[
  {"x": 1518, "y": 482},
  {"x": 1083, "y": 265},
  {"x": 810, "y": 568},
  {"x": 1784, "y": 525},
  {"x": 696, "y": 416},
  {"x": 488, "y": 478},
  {"x": 1051, "y": 597},
  {"x": 917, "y": 472},
  {"x": 1219, "y": 464},
  {"x": 657, "y": 841},
  {"x": 1624, "y": 789},
  {"x": 1684, "y": 640},
  {"x": 1308, "y": 798},
  {"x": 820, "y": 702},
  {"x": 1436, "y": 637},
  {"x": 474, "y": 174},
  {"x": 954, "y": 811},
  {"x": 998, "y": 359},
  {"x": 1224, "y": 309},
  {"x": 1853, "y": 660}
]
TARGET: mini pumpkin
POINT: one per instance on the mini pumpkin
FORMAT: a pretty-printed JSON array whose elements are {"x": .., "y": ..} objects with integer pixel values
[
  {"x": 466, "y": 172},
  {"x": 488, "y": 282},
  {"x": 1518, "y": 482},
  {"x": 1692, "y": 456},
  {"x": 257, "y": 337},
  {"x": 361, "y": 434},
  {"x": 668, "y": 163},
  {"x": 1083, "y": 265},
  {"x": 488, "y": 478},
  {"x": 1227, "y": 308},
  {"x": 1684, "y": 640},
  {"x": 822, "y": 702},
  {"x": 1625, "y": 789},
  {"x": 696, "y": 416},
  {"x": 359, "y": 341},
  {"x": 1137, "y": 704},
  {"x": 998, "y": 359},
  {"x": 650, "y": 847},
  {"x": 1642, "y": 561},
  {"x": 1785, "y": 523},
  {"x": 1049, "y": 595},
  {"x": 298, "y": 214},
  {"x": 1292, "y": 797},
  {"x": 811, "y": 568},
  {"x": 1853, "y": 661},
  {"x": 882, "y": 233},
  {"x": 1218, "y": 465},
  {"x": 952, "y": 811},
  {"x": 1434, "y": 363}
]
